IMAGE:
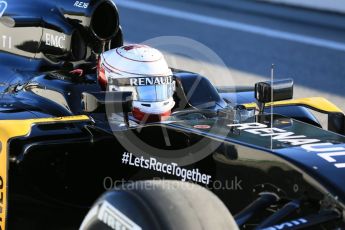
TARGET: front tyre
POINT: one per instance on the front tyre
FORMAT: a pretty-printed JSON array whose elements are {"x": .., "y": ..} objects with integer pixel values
[{"x": 153, "y": 205}]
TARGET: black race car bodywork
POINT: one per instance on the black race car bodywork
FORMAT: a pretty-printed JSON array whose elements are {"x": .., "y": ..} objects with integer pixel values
[{"x": 57, "y": 156}]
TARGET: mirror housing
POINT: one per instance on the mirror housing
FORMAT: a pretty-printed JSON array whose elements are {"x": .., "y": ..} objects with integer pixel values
[
  {"x": 120, "y": 102},
  {"x": 282, "y": 90}
]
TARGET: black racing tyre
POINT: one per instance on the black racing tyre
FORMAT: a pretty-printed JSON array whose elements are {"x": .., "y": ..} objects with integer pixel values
[{"x": 153, "y": 205}]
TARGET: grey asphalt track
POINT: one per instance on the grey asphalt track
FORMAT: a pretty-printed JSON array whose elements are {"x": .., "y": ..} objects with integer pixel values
[{"x": 317, "y": 70}]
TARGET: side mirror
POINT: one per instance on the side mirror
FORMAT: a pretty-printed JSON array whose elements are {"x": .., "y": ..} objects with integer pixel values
[
  {"x": 281, "y": 89},
  {"x": 96, "y": 102},
  {"x": 118, "y": 102}
]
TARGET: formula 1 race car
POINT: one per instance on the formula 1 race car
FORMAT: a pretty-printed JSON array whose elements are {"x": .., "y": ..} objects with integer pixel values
[{"x": 71, "y": 157}]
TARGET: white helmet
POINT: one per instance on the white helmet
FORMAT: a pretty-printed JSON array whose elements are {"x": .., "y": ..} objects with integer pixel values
[{"x": 143, "y": 71}]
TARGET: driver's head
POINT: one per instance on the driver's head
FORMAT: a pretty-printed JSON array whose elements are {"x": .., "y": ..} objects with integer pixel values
[{"x": 143, "y": 71}]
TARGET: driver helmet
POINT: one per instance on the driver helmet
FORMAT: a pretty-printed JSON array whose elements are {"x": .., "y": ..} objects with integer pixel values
[{"x": 143, "y": 71}]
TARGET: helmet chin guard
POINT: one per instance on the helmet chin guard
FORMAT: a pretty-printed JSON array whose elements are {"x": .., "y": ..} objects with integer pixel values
[
  {"x": 143, "y": 71},
  {"x": 158, "y": 111}
]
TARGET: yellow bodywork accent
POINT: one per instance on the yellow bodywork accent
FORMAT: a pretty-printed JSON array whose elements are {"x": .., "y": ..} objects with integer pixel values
[
  {"x": 318, "y": 103},
  {"x": 17, "y": 128}
]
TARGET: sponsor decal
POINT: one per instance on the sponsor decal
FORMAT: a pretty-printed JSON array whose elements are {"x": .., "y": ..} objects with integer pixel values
[
  {"x": 57, "y": 41},
  {"x": 79, "y": 4},
  {"x": 202, "y": 126},
  {"x": 6, "y": 42},
  {"x": 287, "y": 225},
  {"x": 167, "y": 168},
  {"x": 142, "y": 81},
  {"x": 325, "y": 150},
  {"x": 2, "y": 208},
  {"x": 115, "y": 219},
  {"x": 3, "y": 7}
]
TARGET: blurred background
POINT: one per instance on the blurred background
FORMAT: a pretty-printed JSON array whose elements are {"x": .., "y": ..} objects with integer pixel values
[{"x": 305, "y": 39}]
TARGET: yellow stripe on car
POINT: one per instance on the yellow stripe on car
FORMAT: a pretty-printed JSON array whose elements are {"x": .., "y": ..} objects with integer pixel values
[
  {"x": 317, "y": 103},
  {"x": 16, "y": 128}
]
